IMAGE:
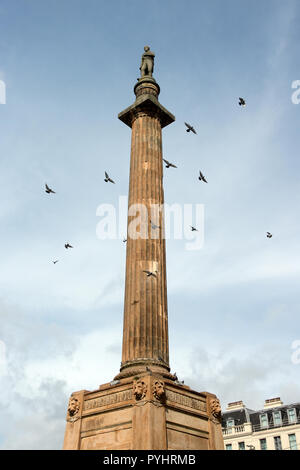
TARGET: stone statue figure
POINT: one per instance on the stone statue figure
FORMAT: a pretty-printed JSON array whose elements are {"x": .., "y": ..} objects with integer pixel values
[{"x": 147, "y": 64}]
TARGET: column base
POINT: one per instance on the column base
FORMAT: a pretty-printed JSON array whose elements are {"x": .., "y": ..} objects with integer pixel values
[
  {"x": 142, "y": 366},
  {"x": 143, "y": 413}
]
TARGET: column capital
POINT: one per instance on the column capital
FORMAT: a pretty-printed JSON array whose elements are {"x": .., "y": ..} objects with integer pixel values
[{"x": 146, "y": 101}]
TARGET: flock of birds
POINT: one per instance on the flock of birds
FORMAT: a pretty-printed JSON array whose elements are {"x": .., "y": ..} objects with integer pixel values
[{"x": 108, "y": 179}]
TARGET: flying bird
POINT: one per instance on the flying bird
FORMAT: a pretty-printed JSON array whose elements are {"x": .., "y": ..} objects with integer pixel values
[
  {"x": 168, "y": 164},
  {"x": 107, "y": 178},
  {"x": 149, "y": 273},
  {"x": 269, "y": 235},
  {"x": 124, "y": 240},
  {"x": 67, "y": 245},
  {"x": 190, "y": 128},
  {"x": 54, "y": 262},
  {"x": 49, "y": 190},
  {"x": 193, "y": 229},
  {"x": 242, "y": 102},
  {"x": 135, "y": 302},
  {"x": 201, "y": 177}
]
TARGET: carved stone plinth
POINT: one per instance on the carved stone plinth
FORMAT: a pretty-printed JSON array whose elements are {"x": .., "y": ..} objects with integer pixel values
[{"x": 144, "y": 412}]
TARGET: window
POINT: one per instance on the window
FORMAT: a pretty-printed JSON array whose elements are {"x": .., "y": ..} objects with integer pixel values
[
  {"x": 228, "y": 446},
  {"x": 277, "y": 443},
  {"x": 241, "y": 445},
  {"x": 230, "y": 423},
  {"x": 292, "y": 440},
  {"x": 264, "y": 420},
  {"x": 291, "y": 412},
  {"x": 277, "y": 418},
  {"x": 263, "y": 444}
]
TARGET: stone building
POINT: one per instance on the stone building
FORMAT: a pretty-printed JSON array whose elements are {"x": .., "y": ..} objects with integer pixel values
[{"x": 275, "y": 427}]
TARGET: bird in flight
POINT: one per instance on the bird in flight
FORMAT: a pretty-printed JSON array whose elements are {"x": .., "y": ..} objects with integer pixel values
[
  {"x": 107, "y": 178},
  {"x": 149, "y": 273},
  {"x": 49, "y": 190},
  {"x": 190, "y": 128},
  {"x": 201, "y": 177},
  {"x": 242, "y": 102},
  {"x": 135, "y": 302},
  {"x": 168, "y": 164},
  {"x": 67, "y": 245},
  {"x": 124, "y": 240},
  {"x": 269, "y": 235},
  {"x": 193, "y": 229},
  {"x": 54, "y": 262}
]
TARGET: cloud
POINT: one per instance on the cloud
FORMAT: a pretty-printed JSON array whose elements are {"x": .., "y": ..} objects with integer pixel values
[
  {"x": 42, "y": 364},
  {"x": 234, "y": 373},
  {"x": 36, "y": 422}
]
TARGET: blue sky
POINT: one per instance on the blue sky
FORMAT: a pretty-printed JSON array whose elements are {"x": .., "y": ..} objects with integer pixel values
[{"x": 69, "y": 69}]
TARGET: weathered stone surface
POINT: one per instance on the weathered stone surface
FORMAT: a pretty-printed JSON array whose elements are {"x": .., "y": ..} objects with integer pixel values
[
  {"x": 161, "y": 415},
  {"x": 145, "y": 328}
]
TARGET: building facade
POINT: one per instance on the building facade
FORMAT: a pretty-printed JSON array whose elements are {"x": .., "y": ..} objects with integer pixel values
[{"x": 275, "y": 427}]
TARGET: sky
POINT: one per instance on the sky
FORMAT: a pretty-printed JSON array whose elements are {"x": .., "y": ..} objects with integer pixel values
[{"x": 69, "y": 67}]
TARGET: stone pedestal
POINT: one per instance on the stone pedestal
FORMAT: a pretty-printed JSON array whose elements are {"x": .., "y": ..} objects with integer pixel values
[{"x": 143, "y": 413}]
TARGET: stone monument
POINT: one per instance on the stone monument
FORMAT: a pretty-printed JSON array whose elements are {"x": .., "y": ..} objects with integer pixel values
[{"x": 145, "y": 406}]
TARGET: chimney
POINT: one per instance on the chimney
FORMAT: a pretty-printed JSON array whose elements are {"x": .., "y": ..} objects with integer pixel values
[
  {"x": 235, "y": 405},
  {"x": 273, "y": 402}
]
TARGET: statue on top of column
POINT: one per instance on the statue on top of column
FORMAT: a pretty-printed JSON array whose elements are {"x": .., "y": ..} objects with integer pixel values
[{"x": 147, "y": 64}]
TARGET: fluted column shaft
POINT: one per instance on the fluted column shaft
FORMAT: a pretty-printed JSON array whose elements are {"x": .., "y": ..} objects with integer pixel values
[
  {"x": 145, "y": 334},
  {"x": 145, "y": 328}
]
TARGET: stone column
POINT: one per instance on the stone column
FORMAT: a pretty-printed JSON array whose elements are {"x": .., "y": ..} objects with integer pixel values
[{"x": 145, "y": 329}]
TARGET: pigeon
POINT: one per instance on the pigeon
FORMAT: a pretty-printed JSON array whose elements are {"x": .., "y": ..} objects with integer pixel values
[
  {"x": 190, "y": 128},
  {"x": 124, "y": 240},
  {"x": 175, "y": 376},
  {"x": 242, "y": 102},
  {"x": 49, "y": 190},
  {"x": 168, "y": 164},
  {"x": 107, "y": 178},
  {"x": 201, "y": 177},
  {"x": 67, "y": 245},
  {"x": 149, "y": 273},
  {"x": 269, "y": 235},
  {"x": 54, "y": 262},
  {"x": 193, "y": 229},
  {"x": 154, "y": 226},
  {"x": 135, "y": 302},
  {"x": 148, "y": 369}
]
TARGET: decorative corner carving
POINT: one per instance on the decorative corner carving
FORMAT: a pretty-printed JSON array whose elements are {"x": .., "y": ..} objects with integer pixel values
[
  {"x": 139, "y": 390},
  {"x": 73, "y": 409},
  {"x": 215, "y": 410},
  {"x": 159, "y": 390}
]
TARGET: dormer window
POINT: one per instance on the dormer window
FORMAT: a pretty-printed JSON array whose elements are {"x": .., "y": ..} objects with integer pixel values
[
  {"x": 264, "y": 420},
  {"x": 230, "y": 423},
  {"x": 277, "y": 418},
  {"x": 292, "y": 417}
]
